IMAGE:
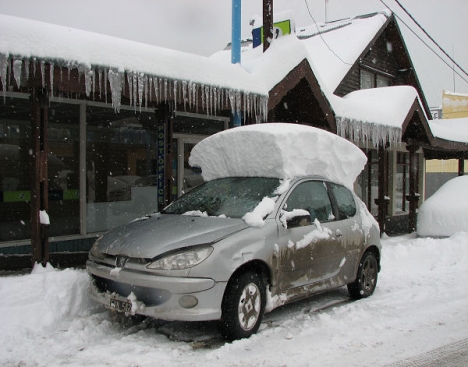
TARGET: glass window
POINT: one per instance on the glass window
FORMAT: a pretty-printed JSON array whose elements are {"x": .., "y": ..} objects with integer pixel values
[
  {"x": 313, "y": 197},
  {"x": 64, "y": 169},
  {"x": 231, "y": 196},
  {"x": 367, "y": 79},
  {"x": 121, "y": 158},
  {"x": 401, "y": 182},
  {"x": 15, "y": 163},
  {"x": 345, "y": 201},
  {"x": 382, "y": 81}
]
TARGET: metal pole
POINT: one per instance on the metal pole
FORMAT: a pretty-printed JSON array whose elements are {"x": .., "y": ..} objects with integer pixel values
[{"x": 236, "y": 32}]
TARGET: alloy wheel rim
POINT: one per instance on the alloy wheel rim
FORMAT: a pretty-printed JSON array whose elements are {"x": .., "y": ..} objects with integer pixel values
[
  {"x": 249, "y": 306},
  {"x": 369, "y": 274}
]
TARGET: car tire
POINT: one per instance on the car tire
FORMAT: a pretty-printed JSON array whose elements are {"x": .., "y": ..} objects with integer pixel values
[
  {"x": 243, "y": 306},
  {"x": 366, "y": 279}
]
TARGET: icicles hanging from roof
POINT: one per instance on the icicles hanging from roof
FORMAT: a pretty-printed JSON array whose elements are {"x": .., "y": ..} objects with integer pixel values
[
  {"x": 361, "y": 132},
  {"x": 141, "y": 87}
]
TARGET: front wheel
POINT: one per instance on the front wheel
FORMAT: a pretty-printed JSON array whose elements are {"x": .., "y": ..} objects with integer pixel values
[
  {"x": 243, "y": 306},
  {"x": 366, "y": 279}
]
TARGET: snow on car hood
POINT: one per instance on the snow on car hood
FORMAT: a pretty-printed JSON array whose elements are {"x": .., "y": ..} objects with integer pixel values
[
  {"x": 281, "y": 150},
  {"x": 155, "y": 235}
]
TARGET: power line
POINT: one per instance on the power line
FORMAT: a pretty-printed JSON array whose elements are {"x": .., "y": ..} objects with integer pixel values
[
  {"x": 426, "y": 44},
  {"x": 323, "y": 40},
  {"x": 432, "y": 39}
]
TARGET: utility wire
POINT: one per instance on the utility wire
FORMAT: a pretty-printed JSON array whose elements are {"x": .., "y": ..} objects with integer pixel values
[
  {"x": 428, "y": 46},
  {"x": 325, "y": 42},
  {"x": 432, "y": 39}
]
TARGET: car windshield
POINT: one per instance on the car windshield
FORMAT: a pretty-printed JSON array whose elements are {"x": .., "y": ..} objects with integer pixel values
[{"x": 232, "y": 197}]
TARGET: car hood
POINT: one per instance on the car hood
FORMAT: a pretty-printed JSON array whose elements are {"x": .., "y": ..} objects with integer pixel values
[{"x": 151, "y": 236}]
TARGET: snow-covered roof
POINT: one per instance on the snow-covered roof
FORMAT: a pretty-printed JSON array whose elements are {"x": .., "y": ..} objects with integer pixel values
[
  {"x": 450, "y": 129},
  {"x": 287, "y": 151},
  {"x": 375, "y": 115},
  {"x": 149, "y": 69}
]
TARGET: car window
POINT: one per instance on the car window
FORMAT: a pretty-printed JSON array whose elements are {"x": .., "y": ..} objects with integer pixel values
[
  {"x": 345, "y": 200},
  {"x": 232, "y": 196},
  {"x": 313, "y": 197}
]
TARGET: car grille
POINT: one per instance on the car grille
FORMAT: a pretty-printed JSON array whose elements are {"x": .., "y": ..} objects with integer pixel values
[{"x": 149, "y": 296}]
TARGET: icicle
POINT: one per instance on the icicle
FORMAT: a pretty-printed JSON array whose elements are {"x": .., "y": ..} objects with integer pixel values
[
  {"x": 215, "y": 101},
  {"x": 238, "y": 102},
  {"x": 3, "y": 73},
  {"x": 61, "y": 74},
  {"x": 203, "y": 97},
  {"x": 105, "y": 84},
  {"x": 100, "y": 82},
  {"x": 43, "y": 73},
  {"x": 175, "y": 95},
  {"x": 157, "y": 89},
  {"x": 26, "y": 69},
  {"x": 93, "y": 76},
  {"x": 145, "y": 81},
  {"x": 165, "y": 90},
  {"x": 141, "y": 88},
  {"x": 130, "y": 87},
  {"x": 135, "y": 90},
  {"x": 51, "y": 78},
  {"x": 150, "y": 88},
  {"x": 17, "y": 70},
  {"x": 116, "y": 82},
  {"x": 184, "y": 94}
]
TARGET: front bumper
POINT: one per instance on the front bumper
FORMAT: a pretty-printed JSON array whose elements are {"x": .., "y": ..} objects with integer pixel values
[{"x": 160, "y": 297}]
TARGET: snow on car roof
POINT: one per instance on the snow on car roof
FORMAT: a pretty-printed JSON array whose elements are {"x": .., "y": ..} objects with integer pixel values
[{"x": 279, "y": 150}]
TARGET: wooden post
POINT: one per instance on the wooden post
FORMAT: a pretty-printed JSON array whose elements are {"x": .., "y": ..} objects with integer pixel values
[
  {"x": 267, "y": 23},
  {"x": 461, "y": 166},
  {"x": 39, "y": 179},
  {"x": 165, "y": 153},
  {"x": 413, "y": 196}
]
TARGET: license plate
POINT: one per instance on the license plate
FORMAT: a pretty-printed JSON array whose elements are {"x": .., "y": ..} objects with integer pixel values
[{"x": 122, "y": 306}]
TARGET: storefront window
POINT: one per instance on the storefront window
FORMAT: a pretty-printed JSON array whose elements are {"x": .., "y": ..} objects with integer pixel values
[
  {"x": 64, "y": 169},
  {"x": 121, "y": 167},
  {"x": 15, "y": 146}
]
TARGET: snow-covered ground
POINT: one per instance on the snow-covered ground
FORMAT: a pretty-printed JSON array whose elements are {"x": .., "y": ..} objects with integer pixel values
[{"x": 420, "y": 304}]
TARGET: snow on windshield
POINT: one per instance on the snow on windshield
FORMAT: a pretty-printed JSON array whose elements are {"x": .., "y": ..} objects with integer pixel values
[
  {"x": 445, "y": 212},
  {"x": 278, "y": 150}
]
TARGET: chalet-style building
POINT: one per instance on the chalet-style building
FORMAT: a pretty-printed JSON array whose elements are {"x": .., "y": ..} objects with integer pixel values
[{"x": 96, "y": 131}]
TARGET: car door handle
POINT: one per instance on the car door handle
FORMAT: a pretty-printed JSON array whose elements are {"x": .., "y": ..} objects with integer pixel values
[{"x": 338, "y": 233}]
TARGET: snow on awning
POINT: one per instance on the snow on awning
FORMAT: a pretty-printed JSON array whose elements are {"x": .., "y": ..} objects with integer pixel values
[
  {"x": 450, "y": 129},
  {"x": 150, "y": 71},
  {"x": 374, "y": 115}
]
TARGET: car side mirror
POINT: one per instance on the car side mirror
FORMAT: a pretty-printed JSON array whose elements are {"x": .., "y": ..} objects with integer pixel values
[{"x": 299, "y": 221}]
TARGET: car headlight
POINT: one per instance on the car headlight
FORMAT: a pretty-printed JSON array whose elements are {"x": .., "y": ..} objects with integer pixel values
[
  {"x": 182, "y": 260},
  {"x": 95, "y": 248}
]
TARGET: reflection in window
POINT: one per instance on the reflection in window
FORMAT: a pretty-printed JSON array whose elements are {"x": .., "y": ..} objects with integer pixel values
[
  {"x": 313, "y": 197},
  {"x": 121, "y": 167}
]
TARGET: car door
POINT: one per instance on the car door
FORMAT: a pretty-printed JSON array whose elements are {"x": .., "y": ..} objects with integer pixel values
[{"x": 309, "y": 249}]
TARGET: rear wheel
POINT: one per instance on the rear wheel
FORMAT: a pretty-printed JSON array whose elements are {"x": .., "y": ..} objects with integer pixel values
[
  {"x": 243, "y": 306},
  {"x": 366, "y": 279}
]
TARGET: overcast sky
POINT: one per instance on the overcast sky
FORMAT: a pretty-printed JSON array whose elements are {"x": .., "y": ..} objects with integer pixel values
[{"x": 204, "y": 26}]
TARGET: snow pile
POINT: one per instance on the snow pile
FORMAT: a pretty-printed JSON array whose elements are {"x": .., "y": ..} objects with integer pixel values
[
  {"x": 445, "y": 212},
  {"x": 278, "y": 150},
  {"x": 42, "y": 299}
]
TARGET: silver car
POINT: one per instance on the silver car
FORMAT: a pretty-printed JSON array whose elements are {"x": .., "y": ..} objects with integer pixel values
[{"x": 202, "y": 258}]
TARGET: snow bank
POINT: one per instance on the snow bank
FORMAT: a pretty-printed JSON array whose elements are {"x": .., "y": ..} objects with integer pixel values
[
  {"x": 278, "y": 150},
  {"x": 445, "y": 212},
  {"x": 42, "y": 299}
]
